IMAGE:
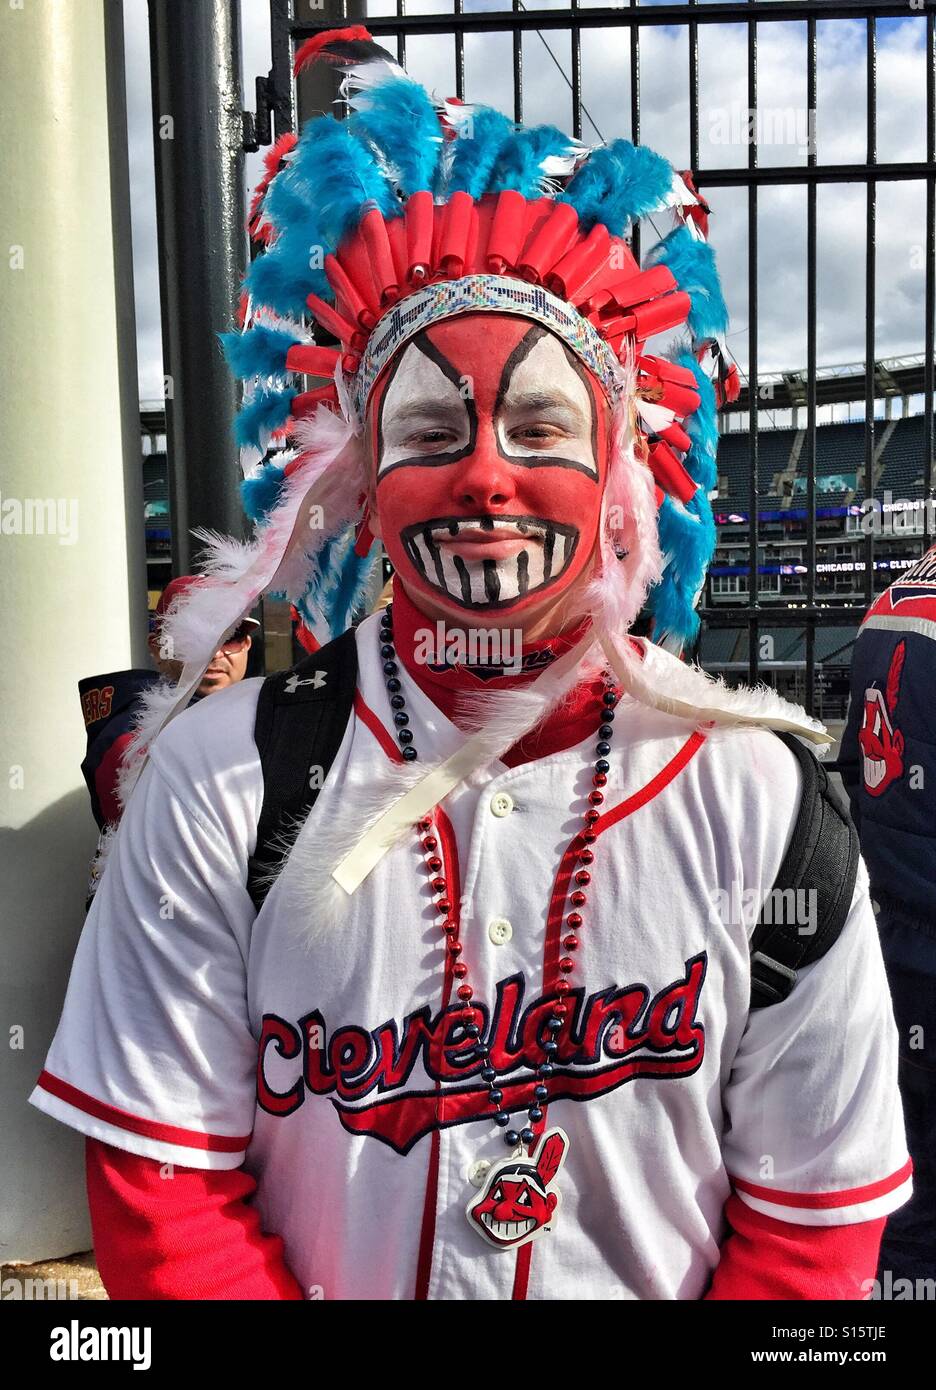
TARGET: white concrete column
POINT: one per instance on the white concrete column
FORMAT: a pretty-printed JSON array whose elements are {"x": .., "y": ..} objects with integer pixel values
[{"x": 72, "y": 568}]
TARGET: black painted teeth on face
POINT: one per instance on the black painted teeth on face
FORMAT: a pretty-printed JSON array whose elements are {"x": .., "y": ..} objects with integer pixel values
[
  {"x": 464, "y": 577},
  {"x": 415, "y": 555},
  {"x": 549, "y": 547},
  {"x": 491, "y": 580},
  {"x": 488, "y": 582},
  {"x": 523, "y": 572},
  {"x": 435, "y": 555}
]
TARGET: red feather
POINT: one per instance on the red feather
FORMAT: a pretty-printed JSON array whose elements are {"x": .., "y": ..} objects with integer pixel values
[
  {"x": 893, "y": 675},
  {"x": 273, "y": 163},
  {"x": 304, "y": 637},
  {"x": 547, "y": 1165},
  {"x": 313, "y": 48}
]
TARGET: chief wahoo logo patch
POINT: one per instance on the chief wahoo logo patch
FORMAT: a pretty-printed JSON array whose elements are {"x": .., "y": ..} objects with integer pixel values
[{"x": 518, "y": 1201}]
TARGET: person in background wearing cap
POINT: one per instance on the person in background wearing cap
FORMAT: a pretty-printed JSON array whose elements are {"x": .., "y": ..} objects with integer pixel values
[{"x": 110, "y": 702}]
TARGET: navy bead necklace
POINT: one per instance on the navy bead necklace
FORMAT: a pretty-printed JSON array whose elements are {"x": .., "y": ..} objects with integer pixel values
[{"x": 578, "y": 898}]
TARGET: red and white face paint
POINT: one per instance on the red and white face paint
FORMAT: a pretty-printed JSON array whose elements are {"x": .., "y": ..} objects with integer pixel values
[{"x": 489, "y": 441}]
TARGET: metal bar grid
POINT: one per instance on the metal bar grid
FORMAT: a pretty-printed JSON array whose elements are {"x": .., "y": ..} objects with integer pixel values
[
  {"x": 753, "y": 624},
  {"x": 929, "y": 296},
  {"x": 812, "y": 194},
  {"x": 870, "y": 297},
  {"x": 604, "y": 17}
]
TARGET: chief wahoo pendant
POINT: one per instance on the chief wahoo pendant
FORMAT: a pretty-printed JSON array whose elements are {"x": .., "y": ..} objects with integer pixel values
[{"x": 518, "y": 1202}]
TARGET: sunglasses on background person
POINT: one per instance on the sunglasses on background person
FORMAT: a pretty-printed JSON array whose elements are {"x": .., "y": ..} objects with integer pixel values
[{"x": 236, "y": 639}]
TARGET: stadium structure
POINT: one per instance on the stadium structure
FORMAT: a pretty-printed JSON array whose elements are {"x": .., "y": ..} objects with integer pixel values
[{"x": 893, "y": 512}]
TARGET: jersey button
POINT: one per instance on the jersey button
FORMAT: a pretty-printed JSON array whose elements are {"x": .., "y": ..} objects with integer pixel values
[
  {"x": 479, "y": 1171},
  {"x": 499, "y": 930},
  {"x": 501, "y": 804}
]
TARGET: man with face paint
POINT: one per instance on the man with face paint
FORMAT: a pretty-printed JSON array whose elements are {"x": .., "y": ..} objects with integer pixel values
[
  {"x": 490, "y": 1034},
  {"x": 486, "y": 438}
]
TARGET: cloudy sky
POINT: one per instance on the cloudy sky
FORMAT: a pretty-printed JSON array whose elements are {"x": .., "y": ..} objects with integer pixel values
[{"x": 840, "y": 137}]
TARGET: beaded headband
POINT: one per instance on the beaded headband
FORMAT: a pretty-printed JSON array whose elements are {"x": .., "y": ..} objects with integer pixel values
[{"x": 498, "y": 293}]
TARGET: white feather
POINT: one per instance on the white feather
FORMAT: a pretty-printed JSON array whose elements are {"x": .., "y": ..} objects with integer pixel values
[
  {"x": 657, "y": 678},
  {"x": 238, "y": 573},
  {"x": 360, "y": 76}
]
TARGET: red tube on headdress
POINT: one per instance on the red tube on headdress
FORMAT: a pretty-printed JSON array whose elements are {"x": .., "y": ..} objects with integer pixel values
[
  {"x": 456, "y": 231},
  {"x": 507, "y": 231},
  {"x": 644, "y": 286},
  {"x": 330, "y": 319},
  {"x": 669, "y": 472},
  {"x": 618, "y": 269},
  {"x": 676, "y": 437},
  {"x": 667, "y": 312},
  {"x": 681, "y": 400},
  {"x": 471, "y": 249},
  {"x": 346, "y": 290},
  {"x": 666, "y": 370},
  {"x": 355, "y": 262},
  {"x": 373, "y": 229},
  {"x": 612, "y": 322},
  {"x": 396, "y": 235},
  {"x": 483, "y": 221},
  {"x": 419, "y": 222},
  {"x": 309, "y": 401},
  {"x": 312, "y": 360},
  {"x": 553, "y": 237},
  {"x": 572, "y": 271}
]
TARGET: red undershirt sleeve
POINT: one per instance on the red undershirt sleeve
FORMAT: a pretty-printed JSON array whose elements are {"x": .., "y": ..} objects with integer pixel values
[
  {"x": 763, "y": 1258},
  {"x": 191, "y": 1235}
]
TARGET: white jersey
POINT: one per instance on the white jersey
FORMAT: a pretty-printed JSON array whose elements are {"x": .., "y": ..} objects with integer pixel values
[{"x": 325, "y": 1060}]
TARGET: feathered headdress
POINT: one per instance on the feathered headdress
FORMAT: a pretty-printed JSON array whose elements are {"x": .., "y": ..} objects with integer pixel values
[{"x": 412, "y": 210}]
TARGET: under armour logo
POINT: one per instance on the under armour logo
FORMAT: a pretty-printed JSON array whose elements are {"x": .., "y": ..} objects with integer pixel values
[{"x": 293, "y": 684}]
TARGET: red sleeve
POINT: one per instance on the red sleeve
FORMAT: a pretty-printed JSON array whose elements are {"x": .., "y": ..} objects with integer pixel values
[
  {"x": 766, "y": 1258},
  {"x": 193, "y": 1235}
]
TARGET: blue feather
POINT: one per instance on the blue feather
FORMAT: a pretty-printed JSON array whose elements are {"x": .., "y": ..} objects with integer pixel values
[
  {"x": 260, "y": 351},
  {"x": 618, "y": 184},
  {"x": 261, "y": 494},
  {"x": 339, "y": 176},
  {"x": 475, "y": 155},
  {"x": 285, "y": 203},
  {"x": 688, "y": 535},
  {"x": 283, "y": 276},
  {"x": 263, "y": 413},
  {"x": 399, "y": 118},
  {"x": 702, "y": 425},
  {"x": 519, "y": 162},
  {"x": 693, "y": 267},
  {"x": 338, "y": 586}
]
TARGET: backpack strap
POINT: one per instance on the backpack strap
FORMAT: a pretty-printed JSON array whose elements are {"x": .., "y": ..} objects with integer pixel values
[
  {"x": 820, "y": 866},
  {"x": 301, "y": 719}
]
